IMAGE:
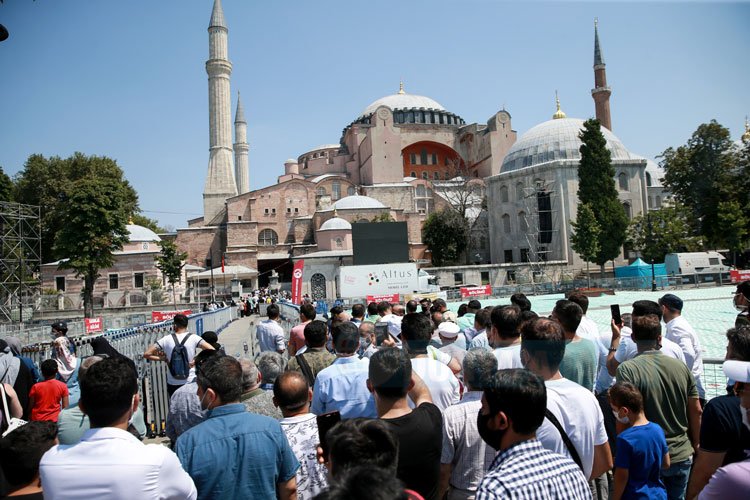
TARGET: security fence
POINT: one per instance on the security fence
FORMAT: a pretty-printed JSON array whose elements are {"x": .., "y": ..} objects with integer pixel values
[
  {"x": 714, "y": 380},
  {"x": 133, "y": 342}
]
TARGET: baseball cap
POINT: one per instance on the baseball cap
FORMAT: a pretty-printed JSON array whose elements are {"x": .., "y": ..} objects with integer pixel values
[
  {"x": 60, "y": 325},
  {"x": 448, "y": 329},
  {"x": 671, "y": 301},
  {"x": 738, "y": 371}
]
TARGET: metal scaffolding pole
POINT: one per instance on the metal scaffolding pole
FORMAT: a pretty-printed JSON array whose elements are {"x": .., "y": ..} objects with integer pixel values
[
  {"x": 20, "y": 260},
  {"x": 541, "y": 221}
]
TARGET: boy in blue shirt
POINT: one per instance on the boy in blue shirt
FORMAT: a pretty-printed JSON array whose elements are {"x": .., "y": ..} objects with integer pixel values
[{"x": 641, "y": 447}]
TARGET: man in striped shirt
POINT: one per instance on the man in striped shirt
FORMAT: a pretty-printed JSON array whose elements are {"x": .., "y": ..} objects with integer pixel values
[{"x": 513, "y": 408}]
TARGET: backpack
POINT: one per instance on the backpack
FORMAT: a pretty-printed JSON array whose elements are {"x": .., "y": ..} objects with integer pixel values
[{"x": 179, "y": 364}]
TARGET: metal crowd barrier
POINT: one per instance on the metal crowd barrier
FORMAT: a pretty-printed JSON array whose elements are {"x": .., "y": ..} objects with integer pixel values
[
  {"x": 133, "y": 342},
  {"x": 714, "y": 380}
]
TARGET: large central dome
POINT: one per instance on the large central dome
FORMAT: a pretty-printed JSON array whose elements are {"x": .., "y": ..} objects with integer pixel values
[
  {"x": 556, "y": 139},
  {"x": 402, "y": 100}
]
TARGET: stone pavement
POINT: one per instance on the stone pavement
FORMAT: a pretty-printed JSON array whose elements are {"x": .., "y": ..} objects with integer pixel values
[{"x": 239, "y": 332}]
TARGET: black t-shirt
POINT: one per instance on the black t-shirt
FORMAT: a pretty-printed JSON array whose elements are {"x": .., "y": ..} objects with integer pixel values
[
  {"x": 420, "y": 442},
  {"x": 722, "y": 429}
]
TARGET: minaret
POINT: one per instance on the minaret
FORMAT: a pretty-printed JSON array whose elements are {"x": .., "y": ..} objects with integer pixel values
[
  {"x": 220, "y": 183},
  {"x": 241, "y": 167},
  {"x": 600, "y": 92}
]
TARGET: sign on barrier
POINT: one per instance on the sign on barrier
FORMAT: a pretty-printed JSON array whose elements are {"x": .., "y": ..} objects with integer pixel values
[
  {"x": 738, "y": 276},
  {"x": 476, "y": 291},
  {"x": 159, "y": 316},
  {"x": 199, "y": 326},
  {"x": 380, "y": 298},
  {"x": 93, "y": 325}
]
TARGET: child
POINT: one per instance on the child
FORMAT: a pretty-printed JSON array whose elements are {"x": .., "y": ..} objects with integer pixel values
[
  {"x": 45, "y": 397},
  {"x": 641, "y": 447}
]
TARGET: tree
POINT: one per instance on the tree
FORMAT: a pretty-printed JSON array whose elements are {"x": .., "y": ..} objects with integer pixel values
[
  {"x": 170, "y": 262},
  {"x": 445, "y": 234},
  {"x": 142, "y": 220},
  {"x": 700, "y": 176},
  {"x": 596, "y": 188},
  {"x": 6, "y": 187},
  {"x": 96, "y": 207},
  {"x": 383, "y": 217},
  {"x": 585, "y": 237},
  {"x": 662, "y": 231},
  {"x": 733, "y": 226}
]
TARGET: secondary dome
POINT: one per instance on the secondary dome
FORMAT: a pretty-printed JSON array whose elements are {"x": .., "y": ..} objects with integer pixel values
[
  {"x": 556, "y": 139},
  {"x": 357, "y": 201},
  {"x": 140, "y": 233},
  {"x": 335, "y": 223}
]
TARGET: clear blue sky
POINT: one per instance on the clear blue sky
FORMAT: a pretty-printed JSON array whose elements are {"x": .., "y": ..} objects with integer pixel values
[{"x": 126, "y": 79}]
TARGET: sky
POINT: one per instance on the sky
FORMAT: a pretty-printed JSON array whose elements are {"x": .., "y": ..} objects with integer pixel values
[{"x": 127, "y": 80}]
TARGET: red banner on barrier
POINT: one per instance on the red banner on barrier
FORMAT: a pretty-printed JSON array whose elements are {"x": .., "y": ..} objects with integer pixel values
[
  {"x": 299, "y": 266},
  {"x": 93, "y": 325},
  {"x": 739, "y": 276},
  {"x": 393, "y": 298},
  {"x": 157, "y": 316},
  {"x": 476, "y": 291}
]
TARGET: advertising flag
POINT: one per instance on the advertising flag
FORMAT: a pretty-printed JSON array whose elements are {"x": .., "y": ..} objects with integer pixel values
[{"x": 297, "y": 281}]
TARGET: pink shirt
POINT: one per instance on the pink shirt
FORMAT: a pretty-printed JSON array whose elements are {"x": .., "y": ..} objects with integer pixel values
[{"x": 297, "y": 337}]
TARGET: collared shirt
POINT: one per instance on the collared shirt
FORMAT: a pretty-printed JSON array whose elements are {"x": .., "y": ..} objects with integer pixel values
[
  {"x": 261, "y": 402},
  {"x": 466, "y": 321},
  {"x": 463, "y": 447},
  {"x": 236, "y": 454},
  {"x": 318, "y": 358},
  {"x": 297, "y": 336},
  {"x": 73, "y": 423},
  {"x": 184, "y": 410},
  {"x": 112, "y": 463},
  {"x": 343, "y": 387},
  {"x": 680, "y": 332},
  {"x": 270, "y": 336},
  {"x": 480, "y": 341},
  {"x": 527, "y": 471},
  {"x": 302, "y": 433}
]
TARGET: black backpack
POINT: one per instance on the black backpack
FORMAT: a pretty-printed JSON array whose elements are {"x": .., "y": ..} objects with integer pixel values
[{"x": 179, "y": 364}]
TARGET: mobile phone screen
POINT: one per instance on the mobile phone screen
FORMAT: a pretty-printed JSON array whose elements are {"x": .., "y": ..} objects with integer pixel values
[
  {"x": 381, "y": 333},
  {"x": 615, "y": 308},
  {"x": 325, "y": 423}
]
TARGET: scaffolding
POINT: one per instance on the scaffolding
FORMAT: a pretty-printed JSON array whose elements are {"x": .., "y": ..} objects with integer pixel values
[
  {"x": 540, "y": 223},
  {"x": 20, "y": 260}
]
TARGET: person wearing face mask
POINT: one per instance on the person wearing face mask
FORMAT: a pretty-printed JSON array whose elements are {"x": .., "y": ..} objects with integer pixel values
[
  {"x": 742, "y": 303},
  {"x": 732, "y": 480},
  {"x": 641, "y": 447},
  {"x": 235, "y": 453},
  {"x": 513, "y": 408},
  {"x": 108, "y": 458}
]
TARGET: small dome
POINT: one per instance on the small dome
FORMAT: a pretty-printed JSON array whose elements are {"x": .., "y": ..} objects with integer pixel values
[
  {"x": 140, "y": 233},
  {"x": 357, "y": 201},
  {"x": 403, "y": 101},
  {"x": 335, "y": 223},
  {"x": 289, "y": 161},
  {"x": 556, "y": 139}
]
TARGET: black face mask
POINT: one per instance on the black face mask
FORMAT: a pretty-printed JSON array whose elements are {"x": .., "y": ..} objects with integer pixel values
[{"x": 492, "y": 438}]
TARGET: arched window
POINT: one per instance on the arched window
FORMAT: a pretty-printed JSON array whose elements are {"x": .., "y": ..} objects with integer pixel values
[
  {"x": 519, "y": 191},
  {"x": 413, "y": 174},
  {"x": 351, "y": 191},
  {"x": 421, "y": 191},
  {"x": 523, "y": 225},
  {"x": 425, "y": 175},
  {"x": 321, "y": 191},
  {"x": 339, "y": 243},
  {"x": 628, "y": 209},
  {"x": 648, "y": 179},
  {"x": 318, "y": 286},
  {"x": 268, "y": 238},
  {"x": 506, "y": 223},
  {"x": 336, "y": 189},
  {"x": 436, "y": 176},
  {"x": 504, "y": 194},
  {"x": 623, "y": 181},
  {"x": 658, "y": 202}
]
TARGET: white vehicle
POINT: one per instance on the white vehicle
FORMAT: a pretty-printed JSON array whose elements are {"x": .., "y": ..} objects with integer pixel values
[
  {"x": 700, "y": 266},
  {"x": 384, "y": 279},
  {"x": 427, "y": 282}
]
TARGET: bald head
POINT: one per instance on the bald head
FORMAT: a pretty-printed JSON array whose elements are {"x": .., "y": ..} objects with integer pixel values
[{"x": 291, "y": 393}]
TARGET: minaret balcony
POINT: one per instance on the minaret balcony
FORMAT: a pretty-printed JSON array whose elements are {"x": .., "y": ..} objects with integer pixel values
[{"x": 599, "y": 90}]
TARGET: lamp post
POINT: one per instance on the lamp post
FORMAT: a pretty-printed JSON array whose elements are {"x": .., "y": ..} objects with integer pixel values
[{"x": 651, "y": 238}]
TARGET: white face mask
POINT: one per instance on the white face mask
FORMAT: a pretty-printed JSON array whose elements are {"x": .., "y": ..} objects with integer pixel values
[{"x": 622, "y": 420}]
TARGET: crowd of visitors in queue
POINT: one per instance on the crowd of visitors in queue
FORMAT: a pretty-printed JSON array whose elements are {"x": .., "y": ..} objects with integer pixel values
[{"x": 492, "y": 402}]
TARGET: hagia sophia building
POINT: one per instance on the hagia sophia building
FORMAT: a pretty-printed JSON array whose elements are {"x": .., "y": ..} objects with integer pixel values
[{"x": 403, "y": 157}]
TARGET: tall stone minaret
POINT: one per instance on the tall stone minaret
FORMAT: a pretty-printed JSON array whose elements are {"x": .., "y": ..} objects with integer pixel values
[
  {"x": 241, "y": 167},
  {"x": 600, "y": 92},
  {"x": 220, "y": 183}
]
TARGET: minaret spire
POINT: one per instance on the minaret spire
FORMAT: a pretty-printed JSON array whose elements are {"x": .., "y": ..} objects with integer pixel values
[
  {"x": 241, "y": 148},
  {"x": 601, "y": 91},
  {"x": 220, "y": 182}
]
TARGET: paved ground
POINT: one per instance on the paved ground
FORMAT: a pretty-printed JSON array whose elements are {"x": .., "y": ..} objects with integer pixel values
[{"x": 234, "y": 336}]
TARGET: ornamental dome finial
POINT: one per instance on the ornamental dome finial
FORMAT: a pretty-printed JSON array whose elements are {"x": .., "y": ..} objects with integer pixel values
[
  {"x": 401, "y": 87},
  {"x": 559, "y": 113}
]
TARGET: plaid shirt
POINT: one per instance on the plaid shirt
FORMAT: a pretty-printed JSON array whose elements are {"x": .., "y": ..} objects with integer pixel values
[{"x": 528, "y": 471}]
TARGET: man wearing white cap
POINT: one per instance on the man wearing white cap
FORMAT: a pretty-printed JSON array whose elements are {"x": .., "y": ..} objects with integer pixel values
[
  {"x": 449, "y": 333},
  {"x": 731, "y": 480}
]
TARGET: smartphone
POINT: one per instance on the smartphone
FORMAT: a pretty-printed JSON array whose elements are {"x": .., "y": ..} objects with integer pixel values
[
  {"x": 615, "y": 308},
  {"x": 325, "y": 423},
  {"x": 381, "y": 333}
]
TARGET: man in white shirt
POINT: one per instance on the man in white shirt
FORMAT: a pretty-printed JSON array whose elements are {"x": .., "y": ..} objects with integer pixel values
[
  {"x": 680, "y": 332},
  {"x": 481, "y": 326},
  {"x": 575, "y": 408},
  {"x": 269, "y": 332},
  {"x": 416, "y": 331},
  {"x": 162, "y": 350},
  {"x": 505, "y": 336},
  {"x": 109, "y": 461}
]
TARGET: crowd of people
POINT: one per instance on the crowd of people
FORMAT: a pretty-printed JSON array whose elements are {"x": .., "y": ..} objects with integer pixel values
[{"x": 397, "y": 401}]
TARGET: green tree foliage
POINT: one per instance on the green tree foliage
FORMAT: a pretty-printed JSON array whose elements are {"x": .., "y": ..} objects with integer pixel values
[
  {"x": 383, "y": 217},
  {"x": 170, "y": 262},
  {"x": 662, "y": 231},
  {"x": 142, "y": 220},
  {"x": 596, "y": 188},
  {"x": 6, "y": 187},
  {"x": 733, "y": 225},
  {"x": 445, "y": 233},
  {"x": 585, "y": 237},
  {"x": 701, "y": 174},
  {"x": 95, "y": 208}
]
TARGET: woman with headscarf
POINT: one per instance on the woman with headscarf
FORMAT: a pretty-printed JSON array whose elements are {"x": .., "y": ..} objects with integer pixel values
[
  {"x": 104, "y": 349},
  {"x": 67, "y": 368},
  {"x": 14, "y": 373},
  {"x": 15, "y": 347}
]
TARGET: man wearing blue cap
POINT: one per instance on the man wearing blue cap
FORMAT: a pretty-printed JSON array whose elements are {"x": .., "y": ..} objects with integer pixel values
[{"x": 680, "y": 332}]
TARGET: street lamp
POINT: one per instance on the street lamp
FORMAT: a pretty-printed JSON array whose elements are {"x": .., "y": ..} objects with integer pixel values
[{"x": 651, "y": 238}]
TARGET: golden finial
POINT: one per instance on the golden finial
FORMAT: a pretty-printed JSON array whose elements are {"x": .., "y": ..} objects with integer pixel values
[
  {"x": 559, "y": 113},
  {"x": 746, "y": 135},
  {"x": 335, "y": 213},
  {"x": 401, "y": 87},
  {"x": 130, "y": 219}
]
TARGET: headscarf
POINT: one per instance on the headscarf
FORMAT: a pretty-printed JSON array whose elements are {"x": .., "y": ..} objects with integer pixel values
[
  {"x": 102, "y": 347},
  {"x": 66, "y": 362},
  {"x": 9, "y": 364},
  {"x": 15, "y": 345}
]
